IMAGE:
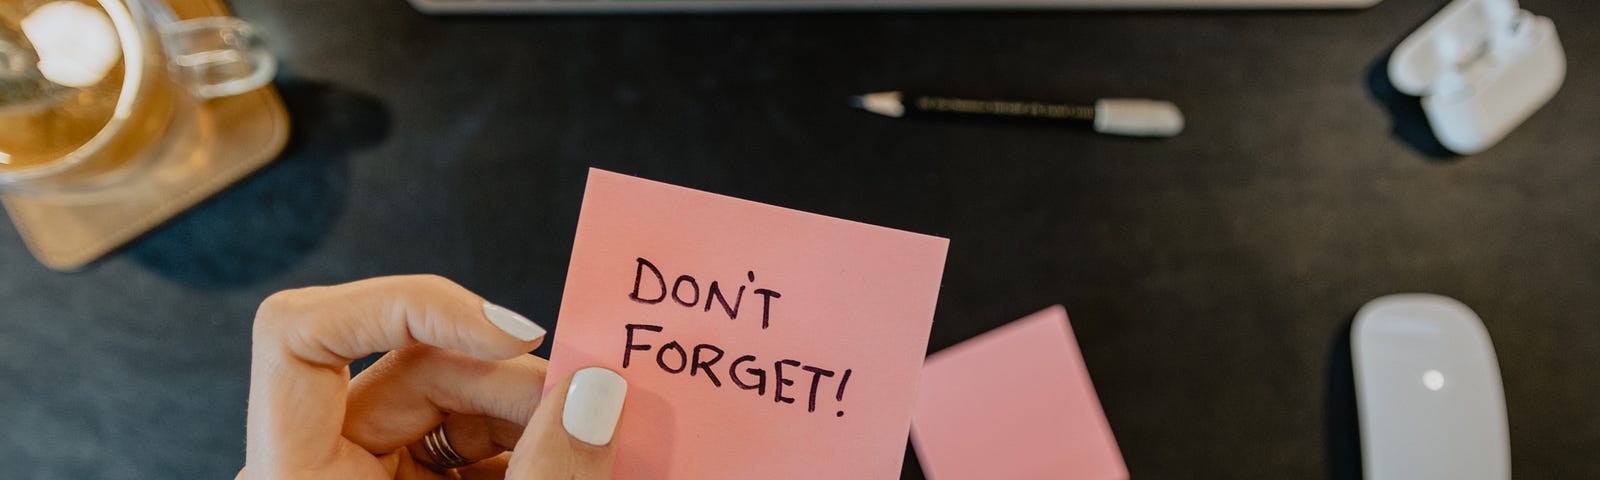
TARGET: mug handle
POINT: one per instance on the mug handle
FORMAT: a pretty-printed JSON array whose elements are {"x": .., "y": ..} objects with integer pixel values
[{"x": 217, "y": 56}]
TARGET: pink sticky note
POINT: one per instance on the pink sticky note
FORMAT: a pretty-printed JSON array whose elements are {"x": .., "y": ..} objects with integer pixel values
[
  {"x": 758, "y": 342},
  {"x": 1014, "y": 403}
]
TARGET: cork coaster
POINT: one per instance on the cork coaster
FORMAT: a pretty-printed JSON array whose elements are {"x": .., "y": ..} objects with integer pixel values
[{"x": 230, "y": 137}]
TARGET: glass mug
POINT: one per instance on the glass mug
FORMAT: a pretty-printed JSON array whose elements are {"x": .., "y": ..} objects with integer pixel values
[{"x": 93, "y": 92}]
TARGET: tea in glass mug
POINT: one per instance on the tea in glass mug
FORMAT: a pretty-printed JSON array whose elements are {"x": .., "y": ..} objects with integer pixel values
[{"x": 90, "y": 89}]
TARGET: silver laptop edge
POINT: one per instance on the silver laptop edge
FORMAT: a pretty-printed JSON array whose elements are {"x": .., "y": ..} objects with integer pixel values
[{"x": 680, "y": 6}]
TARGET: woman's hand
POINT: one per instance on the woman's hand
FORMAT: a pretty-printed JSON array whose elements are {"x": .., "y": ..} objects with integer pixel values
[{"x": 454, "y": 361}]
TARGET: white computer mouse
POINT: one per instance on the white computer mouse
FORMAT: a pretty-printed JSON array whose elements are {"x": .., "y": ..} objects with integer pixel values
[{"x": 1428, "y": 392}]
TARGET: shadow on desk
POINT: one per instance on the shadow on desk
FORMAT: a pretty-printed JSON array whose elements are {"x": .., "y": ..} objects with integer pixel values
[
  {"x": 265, "y": 223},
  {"x": 1408, "y": 122},
  {"x": 911, "y": 469},
  {"x": 1342, "y": 428}
]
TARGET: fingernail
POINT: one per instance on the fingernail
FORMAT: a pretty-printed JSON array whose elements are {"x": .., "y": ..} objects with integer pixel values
[
  {"x": 516, "y": 325},
  {"x": 594, "y": 403}
]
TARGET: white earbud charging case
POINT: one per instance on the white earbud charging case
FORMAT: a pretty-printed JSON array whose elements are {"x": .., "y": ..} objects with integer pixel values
[{"x": 1482, "y": 67}]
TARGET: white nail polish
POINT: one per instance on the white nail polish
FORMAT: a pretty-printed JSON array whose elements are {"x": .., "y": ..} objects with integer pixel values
[
  {"x": 594, "y": 404},
  {"x": 516, "y": 325}
]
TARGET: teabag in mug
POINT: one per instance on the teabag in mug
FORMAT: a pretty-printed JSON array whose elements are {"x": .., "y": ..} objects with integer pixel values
[{"x": 85, "y": 102}]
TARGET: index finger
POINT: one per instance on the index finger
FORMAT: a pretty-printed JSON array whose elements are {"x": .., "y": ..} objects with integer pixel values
[{"x": 305, "y": 339}]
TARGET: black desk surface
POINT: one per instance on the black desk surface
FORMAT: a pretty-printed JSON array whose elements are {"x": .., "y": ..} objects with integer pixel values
[{"x": 1211, "y": 277}]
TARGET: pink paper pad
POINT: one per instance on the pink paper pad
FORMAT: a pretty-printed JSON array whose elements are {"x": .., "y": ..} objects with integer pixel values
[
  {"x": 730, "y": 301},
  {"x": 1015, "y": 403}
]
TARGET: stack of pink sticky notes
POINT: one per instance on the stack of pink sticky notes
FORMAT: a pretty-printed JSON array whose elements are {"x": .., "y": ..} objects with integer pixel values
[{"x": 1014, "y": 403}]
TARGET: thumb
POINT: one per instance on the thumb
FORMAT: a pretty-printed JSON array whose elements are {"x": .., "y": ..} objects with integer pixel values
[{"x": 571, "y": 431}]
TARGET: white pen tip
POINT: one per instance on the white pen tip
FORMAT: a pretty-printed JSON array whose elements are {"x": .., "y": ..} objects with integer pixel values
[
  {"x": 1137, "y": 117},
  {"x": 882, "y": 103}
]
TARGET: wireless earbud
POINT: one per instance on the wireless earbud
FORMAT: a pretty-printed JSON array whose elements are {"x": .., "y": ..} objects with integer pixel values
[
  {"x": 1451, "y": 54},
  {"x": 1511, "y": 32},
  {"x": 1500, "y": 13}
]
